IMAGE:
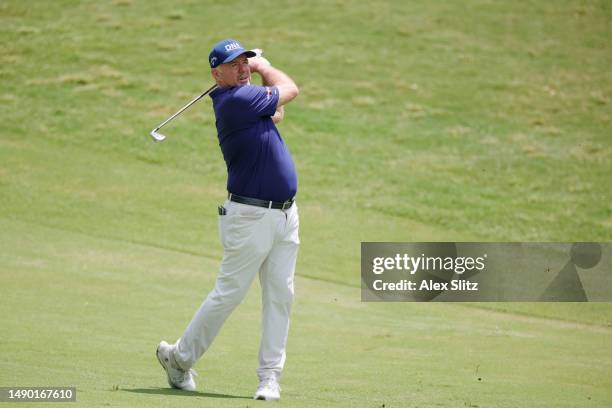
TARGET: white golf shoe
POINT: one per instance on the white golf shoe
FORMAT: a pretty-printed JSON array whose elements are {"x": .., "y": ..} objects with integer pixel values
[
  {"x": 177, "y": 377},
  {"x": 268, "y": 390}
]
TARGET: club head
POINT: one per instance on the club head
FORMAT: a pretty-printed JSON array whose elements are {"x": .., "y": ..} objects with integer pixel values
[{"x": 158, "y": 137}]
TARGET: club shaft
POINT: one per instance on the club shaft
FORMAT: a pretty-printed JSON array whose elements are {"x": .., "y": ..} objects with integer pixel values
[{"x": 197, "y": 98}]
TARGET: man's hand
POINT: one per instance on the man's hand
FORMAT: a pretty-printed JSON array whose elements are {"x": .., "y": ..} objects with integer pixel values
[
  {"x": 279, "y": 114},
  {"x": 255, "y": 63}
]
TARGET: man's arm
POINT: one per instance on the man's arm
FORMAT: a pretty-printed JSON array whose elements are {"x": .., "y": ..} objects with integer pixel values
[
  {"x": 287, "y": 89},
  {"x": 279, "y": 115}
]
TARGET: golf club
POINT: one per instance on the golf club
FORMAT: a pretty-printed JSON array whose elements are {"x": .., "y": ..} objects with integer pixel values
[{"x": 158, "y": 137}]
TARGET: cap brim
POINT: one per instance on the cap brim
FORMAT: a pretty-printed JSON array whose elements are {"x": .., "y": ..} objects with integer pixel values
[{"x": 233, "y": 56}]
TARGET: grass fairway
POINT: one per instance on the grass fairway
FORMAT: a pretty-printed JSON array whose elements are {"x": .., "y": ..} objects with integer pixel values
[{"x": 417, "y": 121}]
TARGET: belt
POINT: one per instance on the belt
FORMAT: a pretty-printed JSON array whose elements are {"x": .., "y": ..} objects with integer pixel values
[{"x": 277, "y": 205}]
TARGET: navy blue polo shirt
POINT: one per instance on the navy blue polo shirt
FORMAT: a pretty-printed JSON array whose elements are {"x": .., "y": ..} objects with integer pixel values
[{"x": 258, "y": 161}]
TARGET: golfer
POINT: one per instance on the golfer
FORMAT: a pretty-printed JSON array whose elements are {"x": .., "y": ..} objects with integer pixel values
[{"x": 258, "y": 222}]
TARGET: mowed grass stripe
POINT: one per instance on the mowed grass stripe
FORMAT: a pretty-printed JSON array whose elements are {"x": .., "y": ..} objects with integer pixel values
[{"x": 595, "y": 315}]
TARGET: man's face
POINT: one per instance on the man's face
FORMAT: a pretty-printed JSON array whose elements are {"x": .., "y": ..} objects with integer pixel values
[{"x": 235, "y": 73}]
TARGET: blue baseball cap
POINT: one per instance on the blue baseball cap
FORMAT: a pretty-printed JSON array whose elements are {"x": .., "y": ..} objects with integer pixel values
[{"x": 227, "y": 51}]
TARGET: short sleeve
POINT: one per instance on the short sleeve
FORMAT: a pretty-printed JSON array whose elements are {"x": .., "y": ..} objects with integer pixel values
[{"x": 258, "y": 100}]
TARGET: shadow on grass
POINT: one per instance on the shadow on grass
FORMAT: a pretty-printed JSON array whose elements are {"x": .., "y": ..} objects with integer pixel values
[{"x": 180, "y": 393}]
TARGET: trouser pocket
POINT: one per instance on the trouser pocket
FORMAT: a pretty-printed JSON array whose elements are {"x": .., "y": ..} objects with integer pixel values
[{"x": 239, "y": 225}]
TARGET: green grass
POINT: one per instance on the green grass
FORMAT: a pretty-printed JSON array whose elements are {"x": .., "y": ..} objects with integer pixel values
[
  {"x": 88, "y": 312},
  {"x": 417, "y": 121}
]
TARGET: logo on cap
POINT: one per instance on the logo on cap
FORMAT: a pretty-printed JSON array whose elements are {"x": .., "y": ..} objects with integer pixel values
[
  {"x": 232, "y": 46},
  {"x": 213, "y": 61}
]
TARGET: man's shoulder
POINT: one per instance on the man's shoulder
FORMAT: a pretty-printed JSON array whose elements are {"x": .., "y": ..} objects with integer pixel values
[
  {"x": 247, "y": 95},
  {"x": 248, "y": 91},
  {"x": 249, "y": 100},
  {"x": 238, "y": 92}
]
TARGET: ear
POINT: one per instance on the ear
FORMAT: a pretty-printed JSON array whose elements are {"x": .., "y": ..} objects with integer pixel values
[{"x": 216, "y": 74}]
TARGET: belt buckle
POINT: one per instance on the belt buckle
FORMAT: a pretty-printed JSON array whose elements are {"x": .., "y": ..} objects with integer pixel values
[{"x": 287, "y": 204}]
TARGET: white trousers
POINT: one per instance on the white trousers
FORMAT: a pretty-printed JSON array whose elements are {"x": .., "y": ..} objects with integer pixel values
[{"x": 255, "y": 240}]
